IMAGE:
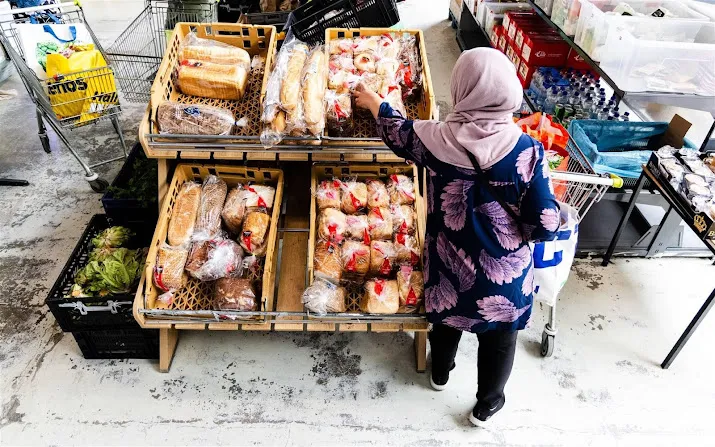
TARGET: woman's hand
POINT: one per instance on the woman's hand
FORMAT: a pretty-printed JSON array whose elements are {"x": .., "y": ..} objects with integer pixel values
[{"x": 367, "y": 99}]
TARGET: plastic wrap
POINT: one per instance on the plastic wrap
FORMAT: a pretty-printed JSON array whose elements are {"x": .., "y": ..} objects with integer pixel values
[
  {"x": 209, "y": 80},
  {"x": 377, "y": 196},
  {"x": 365, "y": 62},
  {"x": 260, "y": 196},
  {"x": 237, "y": 294},
  {"x": 389, "y": 46},
  {"x": 354, "y": 196},
  {"x": 327, "y": 194},
  {"x": 254, "y": 237},
  {"x": 404, "y": 219},
  {"x": 383, "y": 258},
  {"x": 290, "y": 92},
  {"x": 341, "y": 62},
  {"x": 365, "y": 44},
  {"x": 332, "y": 225},
  {"x": 411, "y": 286},
  {"x": 358, "y": 228},
  {"x": 410, "y": 71},
  {"x": 339, "y": 113},
  {"x": 234, "y": 210},
  {"x": 394, "y": 98},
  {"x": 355, "y": 260},
  {"x": 208, "y": 218},
  {"x": 379, "y": 221},
  {"x": 324, "y": 297},
  {"x": 381, "y": 297},
  {"x": 407, "y": 249},
  {"x": 183, "y": 214},
  {"x": 327, "y": 261},
  {"x": 313, "y": 87},
  {"x": 401, "y": 189},
  {"x": 214, "y": 259},
  {"x": 169, "y": 268},
  {"x": 193, "y": 119},
  {"x": 207, "y": 50},
  {"x": 341, "y": 46}
]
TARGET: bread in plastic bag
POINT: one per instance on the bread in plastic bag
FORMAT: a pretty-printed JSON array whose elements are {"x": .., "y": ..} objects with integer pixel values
[
  {"x": 213, "y": 259},
  {"x": 358, "y": 228},
  {"x": 208, "y": 218},
  {"x": 254, "y": 236},
  {"x": 260, "y": 196},
  {"x": 379, "y": 221},
  {"x": 394, "y": 99},
  {"x": 183, "y": 214},
  {"x": 377, "y": 196},
  {"x": 365, "y": 62},
  {"x": 411, "y": 286},
  {"x": 381, "y": 296},
  {"x": 169, "y": 268},
  {"x": 407, "y": 249},
  {"x": 387, "y": 68},
  {"x": 207, "y": 50},
  {"x": 410, "y": 71},
  {"x": 193, "y": 119},
  {"x": 327, "y": 261},
  {"x": 328, "y": 194},
  {"x": 339, "y": 113},
  {"x": 209, "y": 80},
  {"x": 268, "y": 5},
  {"x": 341, "y": 62},
  {"x": 389, "y": 47},
  {"x": 332, "y": 225},
  {"x": 290, "y": 93},
  {"x": 404, "y": 219},
  {"x": 234, "y": 209},
  {"x": 236, "y": 294},
  {"x": 383, "y": 258},
  {"x": 313, "y": 86},
  {"x": 324, "y": 297},
  {"x": 401, "y": 189},
  {"x": 354, "y": 196},
  {"x": 355, "y": 260},
  {"x": 365, "y": 44},
  {"x": 341, "y": 46}
]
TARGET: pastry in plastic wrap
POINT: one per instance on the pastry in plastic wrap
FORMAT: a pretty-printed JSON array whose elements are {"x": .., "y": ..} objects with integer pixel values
[
  {"x": 340, "y": 46},
  {"x": 328, "y": 194},
  {"x": 235, "y": 294},
  {"x": 234, "y": 210},
  {"x": 379, "y": 222},
  {"x": 339, "y": 113},
  {"x": 332, "y": 225},
  {"x": 183, "y": 214},
  {"x": 373, "y": 82},
  {"x": 260, "y": 196},
  {"x": 355, "y": 260},
  {"x": 341, "y": 62},
  {"x": 382, "y": 257},
  {"x": 327, "y": 261},
  {"x": 394, "y": 98},
  {"x": 382, "y": 296},
  {"x": 358, "y": 228},
  {"x": 401, "y": 189},
  {"x": 207, "y": 50},
  {"x": 254, "y": 237},
  {"x": 404, "y": 219},
  {"x": 377, "y": 196},
  {"x": 365, "y": 62},
  {"x": 410, "y": 71},
  {"x": 193, "y": 119},
  {"x": 209, "y": 80},
  {"x": 290, "y": 93},
  {"x": 208, "y": 218},
  {"x": 214, "y": 259},
  {"x": 314, "y": 78},
  {"x": 365, "y": 44},
  {"x": 411, "y": 286},
  {"x": 387, "y": 68},
  {"x": 354, "y": 196},
  {"x": 324, "y": 297},
  {"x": 407, "y": 249},
  {"x": 389, "y": 47},
  {"x": 169, "y": 268}
]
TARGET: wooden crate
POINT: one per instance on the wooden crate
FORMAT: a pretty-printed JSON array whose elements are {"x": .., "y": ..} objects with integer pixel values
[
  {"x": 323, "y": 171},
  {"x": 255, "y": 39},
  {"x": 196, "y": 295}
]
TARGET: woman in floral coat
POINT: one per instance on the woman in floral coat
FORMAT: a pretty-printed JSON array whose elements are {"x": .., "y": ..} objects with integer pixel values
[{"x": 478, "y": 265}]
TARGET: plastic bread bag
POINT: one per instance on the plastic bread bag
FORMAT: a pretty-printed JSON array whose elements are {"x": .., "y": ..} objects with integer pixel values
[
  {"x": 341, "y": 62},
  {"x": 389, "y": 46},
  {"x": 327, "y": 261},
  {"x": 339, "y": 113},
  {"x": 234, "y": 209},
  {"x": 290, "y": 91},
  {"x": 354, "y": 196},
  {"x": 323, "y": 297},
  {"x": 365, "y": 44},
  {"x": 383, "y": 258},
  {"x": 210, "y": 80},
  {"x": 365, "y": 62},
  {"x": 183, "y": 214},
  {"x": 410, "y": 71},
  {"x": 404, "y": 219},
  {"x": 332, "y": 225},
  {"x": 327, "y": 194},
  {"x": 401, "y": 189},
  {"x": 260, "y": 196},
  {"x": 355, "y": 259},
  {"x": 381, "y": 297},
  {"x": 193, "y": 119},
  {"x": 394, "y": 98},
  {"x": 207, "y": 50},
  {"x": 236, "y": 294},
  {"x": 379, "y": 221},
  {"x": 208, "y": 218},
  {"x": 411, "y": 286},
  {"x": 407, "y": 249},
  {"x": 169, "y": 268},
  {"x": 377, "y": 196},
  {"x": 341, "y": 46},
  {"x": 358, "y": 228},
  {"x": 214, "y": 259},
  {"x": 313, "y": 90},
  {"x": 254, "y": 237},
  {"x": 295, "y": 121}
]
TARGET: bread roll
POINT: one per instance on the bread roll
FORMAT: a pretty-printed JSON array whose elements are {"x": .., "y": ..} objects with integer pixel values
[
  {"x": 382, "y": 258},
  {"x": 407, "y": 249},
  {"x": 355, "y": 259},
  {"x": 169, "y": 268},
  {"x": 365, "y": 62},
  {"x": 364, "y": 44},
  {"x": 314, "y": 80},
  {"x": 401, "y": 189},
  {"x": 341, "y": 46},
  {"x": 379, "y": 221},
  {"x": 255, "y": 231},
  {"x": 377, "y": 196},
  {"x": 381, "y": 297},
  {"x": 354, "y": 197},
  {"x": 260, "y": 196},
  {"x": 291, "y": 88},
  {"x": 207, "y": 50},
  {"x": 387, "y": 68},
  {"x": 208, "y": 219},
  {"x": 193, "y": 119},
  {"x": 342, "y": 62},
  {"x": 358, "y": 228},
  {"x": 235, "y": 294},
  {"x": 234, "y": 210},
  {"x": 404, "y": 219},
  {"x": 339, "y": 113},
  {"x": 411, "y": 286},
  {"x": 183, "y": 214},
  {"x": 332, "y": 225},
  {"x": 328, "y": 194},
  {"x": 327, "y": 261},
  {"x": 209, "y": 80},
  {"x": 373, "y": 82},
  {"x": 388, "y": 47}
]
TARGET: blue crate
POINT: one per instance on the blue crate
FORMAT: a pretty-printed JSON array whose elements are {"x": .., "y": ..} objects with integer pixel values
[{"x": 614, "y": 147}]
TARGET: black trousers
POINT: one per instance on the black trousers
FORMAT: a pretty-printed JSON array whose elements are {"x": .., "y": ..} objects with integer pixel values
[{"x": 495, "y": 359}]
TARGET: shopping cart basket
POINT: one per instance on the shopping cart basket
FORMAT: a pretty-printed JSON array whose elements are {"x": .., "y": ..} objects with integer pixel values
[
  {"x": 137, "y": 53},
  {"x": 59, "y": 100}
]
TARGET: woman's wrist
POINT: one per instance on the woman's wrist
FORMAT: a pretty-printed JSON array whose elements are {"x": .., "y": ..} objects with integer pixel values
[{"x": 375, "y": 107}]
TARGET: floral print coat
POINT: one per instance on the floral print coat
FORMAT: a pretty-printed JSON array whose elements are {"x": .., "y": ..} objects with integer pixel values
[{"x": 478, "y": 267}]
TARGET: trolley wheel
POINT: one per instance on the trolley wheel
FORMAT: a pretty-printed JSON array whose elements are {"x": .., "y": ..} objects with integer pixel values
[
  {"x": 547, "y": 344},
  {"x": 46, "y": 144},
  {"x": 99, "y": 185}
]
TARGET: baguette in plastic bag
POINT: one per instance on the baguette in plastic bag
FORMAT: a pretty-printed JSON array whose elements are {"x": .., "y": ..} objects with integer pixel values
[
  {"x": 183, "y": 214},
  {"x": 208, "y": 219},
  {"x": 313, "y": 86}
]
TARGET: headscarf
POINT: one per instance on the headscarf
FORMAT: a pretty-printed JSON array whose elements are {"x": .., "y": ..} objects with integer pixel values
[{"x": 485, "y": 94}]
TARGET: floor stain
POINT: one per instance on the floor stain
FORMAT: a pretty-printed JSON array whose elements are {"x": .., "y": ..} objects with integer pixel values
[
  {"x": 587, "y": 271},
  {"x": 378, "y": 390},
  {"x": 566, "y": 379},
  {"x": 632, "y": 367},
  {"x": 10, "y": 414},
  {"x": 594, "y": 321}
]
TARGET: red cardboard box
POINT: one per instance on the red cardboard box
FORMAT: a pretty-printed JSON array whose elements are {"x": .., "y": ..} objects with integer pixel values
[
  {"x": 531, "y": 28},
  {"x": 514, "y": 14},
  {"x": 495, "y": 35},
  {"x": 574, "y": 60},
  {"x": 503, "y": 41},
  {"x": 515, "y": 57},
  {"x": 509, "y": 51},
  {"x": 544, "y": 51},
  {"x": 525, "y": 72}
]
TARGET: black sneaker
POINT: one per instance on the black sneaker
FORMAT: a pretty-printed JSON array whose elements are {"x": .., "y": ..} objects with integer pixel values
[
  {"x": 439, "y": 382},
  {"x": 481, "y": 414}
]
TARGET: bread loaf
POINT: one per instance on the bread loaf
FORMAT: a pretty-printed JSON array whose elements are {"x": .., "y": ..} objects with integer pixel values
[
  {"x": 169, "y": 268},
  {"x": 411, "y": 287},
  {"x": 379, "y": 221},
  {"x": 404, "y": 219},
  {"x": 407, "y": 249},
  {"x": 209, "y": 80},
  {"x": 382, "y": 258},
  {"x": 354, "y": 196},
  {"x": 255, "y": 232},
  {"x": 314, "y": 79},
  {"x": 401, "y": 189},
  {"x": 183, "y": 214},
  {"x": 291, "y": 88},
  {"x": 208, "y": 50},
  {"x": 327, "y": 261},
  {"x": 341, "y": 46},
  {"x": 355, "y": 260},
  {"x": 260, "y": 196},
  {"x": 193, "y": 119},
  {"x": 358, "y": 228},
  {"x": 323, "y": 297},
  {"x": 377, "y": 196},
  {"x": 332, "y": 224},
  {"x": 208, "y": 219},
  {"x": 339, "y": 113},
  {"x": 215, "y": 259},
  {"x": 235, "y": 294},
  {"x": 234, "y": 210},
  {"x": 328, "y": 194},
  {"x": 381, "y": 297}
]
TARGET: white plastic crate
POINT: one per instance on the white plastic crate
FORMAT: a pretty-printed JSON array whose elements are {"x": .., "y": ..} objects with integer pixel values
[
  {"x": 683, "y": 63},
  {"x": 488, "y": 12},
  {"x": 596, "y": 20}
]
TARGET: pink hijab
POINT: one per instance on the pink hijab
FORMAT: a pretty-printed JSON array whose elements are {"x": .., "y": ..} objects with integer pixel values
[{"x": 485, "y": 93}]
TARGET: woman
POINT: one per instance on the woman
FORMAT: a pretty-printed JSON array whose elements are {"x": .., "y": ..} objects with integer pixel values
[{"x": 478, "y": 264}]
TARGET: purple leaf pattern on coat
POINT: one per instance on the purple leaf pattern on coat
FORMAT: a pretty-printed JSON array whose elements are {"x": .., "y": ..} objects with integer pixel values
[
  {"x": 527, "y": 287},
  {"x": 545, "y": 169},
  {"x": 498, "y": 308},
  {"x": 428, "y": 244},
  {"x": 461, "y": 323},
  {"x": 550, "y": 219},
  {"x": 457, "y": 261},
  {"x": 506, "y": 269},
  {"x": 503, "y": 225},
  {"x": 454, "y": 203},
  {"x": 441, "y": 296},
  {"x": 526, "y": 163}
]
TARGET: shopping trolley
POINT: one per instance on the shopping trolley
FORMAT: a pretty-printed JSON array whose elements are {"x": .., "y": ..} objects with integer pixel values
[
  {"x": 580, "y": 187},
  {"x": 137, "y": 53},
  {"x": 58, "y": 100}
]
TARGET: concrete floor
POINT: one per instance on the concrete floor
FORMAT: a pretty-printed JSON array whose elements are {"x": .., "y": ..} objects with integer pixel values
[{"x": 603, "y": 386}]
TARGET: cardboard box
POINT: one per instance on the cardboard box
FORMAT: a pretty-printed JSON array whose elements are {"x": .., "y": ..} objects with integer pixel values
[
  {"x": 574, "y": 60},
  {"x": 495, "y": 36},
  {"x": 515, "y": 58},
  {"x": 512, "y": 18},
  {"x": 524, "y": 72},
  {"x": 514, "y": 14},
  {"x": 531, "y": 29},
  {"x": 544, "y": 51},
  {"x": 503, "y": 41}
]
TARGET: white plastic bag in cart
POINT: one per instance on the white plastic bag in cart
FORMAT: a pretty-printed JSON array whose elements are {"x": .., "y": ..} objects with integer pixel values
[
  {"x": 553, "y": 259},
  {"x": 37, "y": 39}
]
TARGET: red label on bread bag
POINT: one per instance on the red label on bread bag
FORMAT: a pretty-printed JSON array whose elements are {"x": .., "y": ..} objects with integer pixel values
[
  {"x": 386, "y": 268},
  {"x": 261, "y": 202},
  {"x": 246, "y": 237},
  {"x": 378, "y": 212},
  {"x": 158, "y": 275},
  {"x": 401, "y": 238},
  {"x": 414, "y": 258},
  {"x": 379, "y": 285},
  {"x": 411, "y": 298},
  {"x": 355, "y": 201},
  {"x": 366, "y": 236}
]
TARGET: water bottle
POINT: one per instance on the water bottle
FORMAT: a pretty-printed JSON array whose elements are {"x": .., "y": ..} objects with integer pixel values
[
  {"x": 551, "y": 99},
  {"x": 626, "y": 116},
  {"x": 587, "y": 103},
  {"x": 575, "y": 99},
  {"x": 603, "y": 114},
  {"x": 615, "y": 115}
]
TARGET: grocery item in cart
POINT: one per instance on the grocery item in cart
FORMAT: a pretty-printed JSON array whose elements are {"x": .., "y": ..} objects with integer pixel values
[
  {"x": 354, "y": 196},
  {"x": 339, "y": 113},
  {"x": 236, "y": 294},
  {"x": 213, "y": 259},
  {"x": 210, "y": 80},
  {"x": 208, "y": 218},
  {"x": 327, "y": 261},
  {"x": 324, "y": 297},
  {"x": 404, "y": 219},
  {"x": 207, "y": 50},
  {"x": 381, "y": 296},
  {"x": 183, "y": 214},
  {"x": 332, "y": 225},
  {"x": 411, "y": 285},
  {"x": 313, "y": 86},
  {"x": 380, "y": 224},
  {"x": 169, "y": 268},
  {"x": 194, "y": 119},
  {"x": 407, "y": 249},
  {"x": 358, "y": 228},
  {"x": 383, "y": 257},
  {"x": 401, "y": 189},
  {"x": 255, "y": 232},
  {"x": 355, "y": 260},
  {"x": 234, "y": 210},
  {"x": 328, "y": 194},
  {"x": 377, "y": 196}
]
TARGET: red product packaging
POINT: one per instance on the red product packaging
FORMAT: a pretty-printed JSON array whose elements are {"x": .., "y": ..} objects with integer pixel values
[
  {"x": 544, "y": 51},
  {"x": 525, "y": 72},
  {"x": 509, "y": 51},
  {"x": 530, "y": 29},
  {"x": 515, "y": 57},
  {"x": 574, "y": 60},
  {"x": 503, "y": 41},
  {"x": 495, "y": 36},
  {"x": 509, "y": 15}
]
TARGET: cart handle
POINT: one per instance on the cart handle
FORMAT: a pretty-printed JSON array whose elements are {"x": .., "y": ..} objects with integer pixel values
[
  {"x": 610, "y": 180},
  {"x": 45, "y": 7}
]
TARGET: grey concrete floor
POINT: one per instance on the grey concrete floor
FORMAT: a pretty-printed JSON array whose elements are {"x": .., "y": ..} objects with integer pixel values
[{"x": 603, "y": 386}]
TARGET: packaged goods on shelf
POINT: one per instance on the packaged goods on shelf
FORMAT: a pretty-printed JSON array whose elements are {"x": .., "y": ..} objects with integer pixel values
[
  {"x": 323, "y": 297},
  {"x": 208, "y": 218},
  {"x": 565, "y": 15},
  {"x": 382, "y": 296},
  {"x": 194, "y": 119},
  {"x": 490, "y": 14},
  {"x": 327, "y": 261},
  {"x": 411, "y": 286}
]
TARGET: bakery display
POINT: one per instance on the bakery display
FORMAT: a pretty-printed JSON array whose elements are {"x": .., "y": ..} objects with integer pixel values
[
  {"x": 382, "y": 296},
  {"x": 327, "y": 261},
  {"x": 183, "y": 215},
  {"x": 208, "y": 217},
  {"x": 193, "y": 119},
  {"x": 411, "y": 286}
]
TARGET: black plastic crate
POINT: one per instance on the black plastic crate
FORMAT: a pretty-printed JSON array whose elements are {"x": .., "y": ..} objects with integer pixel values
[
  {"x": 308, "y": 23},
  {"x": 126, "y": 343},
  {"x": 83, "y": 314},
  {"x": 277, "y": 19},
  {"x": 128, "y": 210},
  {"x": 229, "y": 11}
]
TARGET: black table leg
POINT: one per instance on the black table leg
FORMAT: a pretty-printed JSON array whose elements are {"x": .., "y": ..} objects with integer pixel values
[
  {"x": 699, "y": 317},
  {"x": 624, "y": 219},
  {"x": 13, "y": 182}
]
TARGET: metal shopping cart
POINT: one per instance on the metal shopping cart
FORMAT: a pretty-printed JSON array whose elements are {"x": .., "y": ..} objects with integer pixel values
[
  {"x": 69, "y": 100},
  {"x": 137, "y": 53}
]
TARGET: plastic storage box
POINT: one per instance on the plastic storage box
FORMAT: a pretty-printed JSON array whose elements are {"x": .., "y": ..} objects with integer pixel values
[
  {"x": 487, "y": 9},
  {"x": 684, "y": 65},
  {"x": 565, "y": 14},
  {"x": 596, "y": 20}
]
